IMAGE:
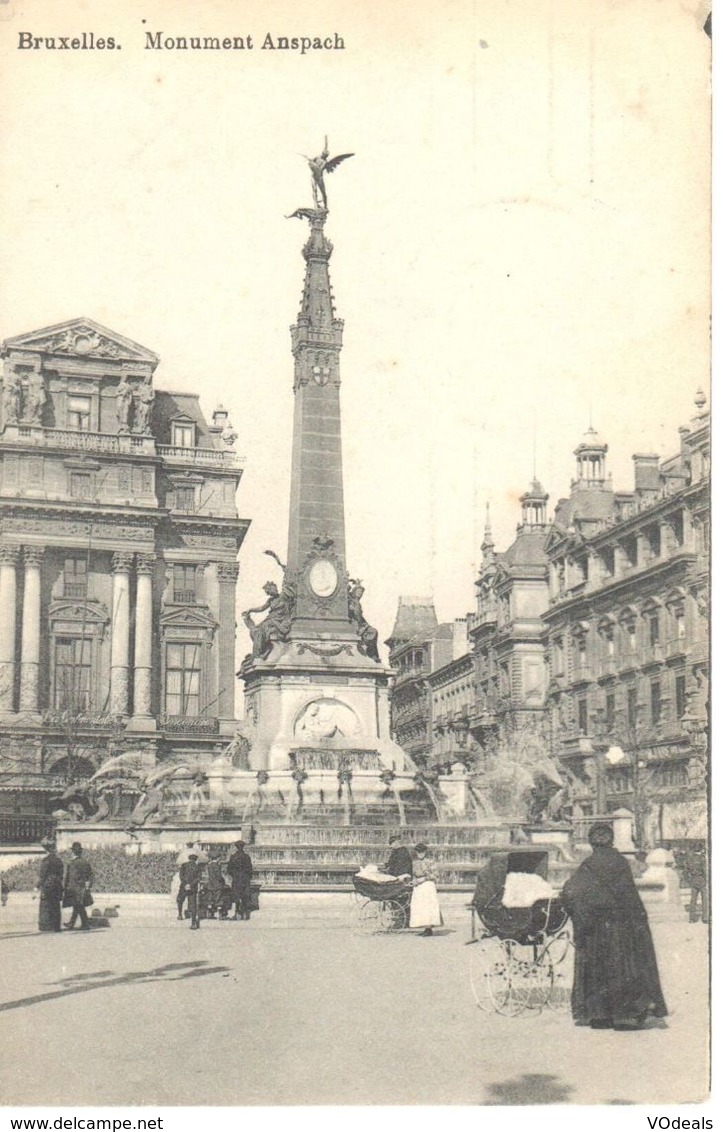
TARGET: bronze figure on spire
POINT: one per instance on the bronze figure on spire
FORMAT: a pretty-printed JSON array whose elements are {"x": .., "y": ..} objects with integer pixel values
[{"x": 319, "y": 166}]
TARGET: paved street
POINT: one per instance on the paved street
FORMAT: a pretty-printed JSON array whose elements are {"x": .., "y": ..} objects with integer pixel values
[{"x": 294, "y": 1007}]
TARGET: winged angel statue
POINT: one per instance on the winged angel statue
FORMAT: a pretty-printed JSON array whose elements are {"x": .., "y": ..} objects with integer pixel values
[{"x": 319, "y": 166}]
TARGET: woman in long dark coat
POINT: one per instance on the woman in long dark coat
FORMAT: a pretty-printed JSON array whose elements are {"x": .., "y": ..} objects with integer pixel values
[
  {"x": 616, "y": 981},
  {"x": 50, "y": 884}
]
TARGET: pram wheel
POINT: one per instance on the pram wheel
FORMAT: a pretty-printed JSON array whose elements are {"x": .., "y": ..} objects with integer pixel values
[
  {"x": 392, "y": 917},
  {"x": 506, "y": 978},
  {"x": 367, "y": 917}
]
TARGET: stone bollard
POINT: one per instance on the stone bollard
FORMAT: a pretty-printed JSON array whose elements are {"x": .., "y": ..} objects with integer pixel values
[
  {"x": 622, "y": 823},
  {"x": 659, "y": 883}
]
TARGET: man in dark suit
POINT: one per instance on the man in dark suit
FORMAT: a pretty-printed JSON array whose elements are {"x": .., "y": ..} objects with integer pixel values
[
  {"x": 240, "y": 870},
  {"x": 77, "y": 882},
  {"x": 399, "y": 865},
  {"x": 400, "y": 859},
  {"x": 190, "y": 880}
]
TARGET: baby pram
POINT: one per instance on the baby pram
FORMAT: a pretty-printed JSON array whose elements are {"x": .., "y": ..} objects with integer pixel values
[
  {"x": 518, "y": 960},
  {"x": 380, "y": 906}
]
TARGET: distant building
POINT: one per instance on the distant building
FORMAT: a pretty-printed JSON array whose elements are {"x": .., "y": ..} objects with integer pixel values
[
  {"x": 118, "y": 569},
  {"x": 507, "y": 632},
  {"x": 589, "y": 645},
  {"x": 627, "y": 631},
  {"x": 417, "y": 646}
]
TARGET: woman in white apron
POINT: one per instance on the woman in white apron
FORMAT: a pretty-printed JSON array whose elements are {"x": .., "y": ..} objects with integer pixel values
[{"x": 424, "y": 909}]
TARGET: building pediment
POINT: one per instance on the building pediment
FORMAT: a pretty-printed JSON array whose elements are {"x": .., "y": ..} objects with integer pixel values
[
  {"x": 89, "y": 613},
  {"x": 81, "y": 338},
  {"x": 188, "y": 617}
]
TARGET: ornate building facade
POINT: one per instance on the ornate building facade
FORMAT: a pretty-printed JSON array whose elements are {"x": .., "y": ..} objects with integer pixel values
[
  {"x": 418, "y": 645},
  {"x": 627, "y": 633},
  {"x": 118, "y": 544},
  {"x": 587, "y": 655}
]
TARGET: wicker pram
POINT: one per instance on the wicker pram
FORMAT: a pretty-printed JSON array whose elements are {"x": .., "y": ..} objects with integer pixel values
[
  {"x": 520, "y": 958},
  {"x": 525, "y": 925},
  {"x": 381, "y": 890}
]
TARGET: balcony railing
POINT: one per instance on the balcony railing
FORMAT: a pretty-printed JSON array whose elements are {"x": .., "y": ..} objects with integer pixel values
[
  {"x": 91, "y": 441},
  {"x": 25, "y": 829},
  {"x": 200, "y": 457},
  {"x": 189, "y": 724},
  {"x": 75, "y": 589},
  {"x": 184, "y": 597}
]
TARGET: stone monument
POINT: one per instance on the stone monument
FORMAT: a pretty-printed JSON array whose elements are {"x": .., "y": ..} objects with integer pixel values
[{"x": 315, "y": 687}]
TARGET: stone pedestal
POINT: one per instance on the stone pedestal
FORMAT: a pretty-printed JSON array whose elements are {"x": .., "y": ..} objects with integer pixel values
[
  {"x": 453, "y": 788},
  {"x": 622, "y": 823},
  {"x": 659, "y": 883},
  {"x": 319, "y": 693}
]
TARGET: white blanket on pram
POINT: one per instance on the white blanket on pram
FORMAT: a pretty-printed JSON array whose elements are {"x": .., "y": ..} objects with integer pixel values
[
  {"x": 373, "y": 873},
  {"x": 523, "y": 889}
]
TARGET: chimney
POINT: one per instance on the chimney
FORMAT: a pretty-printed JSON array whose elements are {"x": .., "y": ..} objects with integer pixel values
[
  {"x": 647, "y": 472},
  {"x": 220, "y": 418}
]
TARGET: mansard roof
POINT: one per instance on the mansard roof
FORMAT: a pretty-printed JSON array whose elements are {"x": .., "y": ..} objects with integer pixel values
[
  {"x": 82, "y": 338},
  {"x": 528, "y": 549},
  {"x": 169, "y": 407},
  {"x": 415, "y": 617}
]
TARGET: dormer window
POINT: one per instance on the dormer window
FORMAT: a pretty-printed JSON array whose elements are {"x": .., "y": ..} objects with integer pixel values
[
  {"x": 184, "y": 434},
  {"x": 79, "y": 413}
]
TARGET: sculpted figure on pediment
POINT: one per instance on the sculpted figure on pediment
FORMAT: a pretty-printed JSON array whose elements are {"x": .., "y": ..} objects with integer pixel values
[
  {"x": 11, "y": 397},
  {"x": 35, "y": 398}
]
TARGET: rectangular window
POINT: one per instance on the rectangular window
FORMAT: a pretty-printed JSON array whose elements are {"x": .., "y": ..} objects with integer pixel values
[
  {"x": 184, "y": 584},
  {"x": 184, "y": 435},
  {"x": 582, "y": 716},
  {"x": 654, "y": 629},
  {"x": 183, "y": 679},
  {"x": 679, "y": 697},
  {"x": 655, "y": 708},
  {"x": 75, "y": 577},
  {"x": 73, "y": 657},
  {"x": 79, "y": 413},
  {"x": 632, "y": 705},
  {"x": 610, "y": 711},
  {"x": 185, "y": 499}
]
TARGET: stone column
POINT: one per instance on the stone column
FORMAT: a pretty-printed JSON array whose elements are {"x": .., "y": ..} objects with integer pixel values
[
  {"x": 8, "y": 591},
  {"x": 145, "y": 564},
  {"x": 227, "y": 573},
  {"x": 30, "y": 646},
  {"x": 119, "y": 633}
]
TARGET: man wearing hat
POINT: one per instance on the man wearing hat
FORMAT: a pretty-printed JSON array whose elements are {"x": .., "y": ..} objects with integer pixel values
[
  {"x": 400, "y": 859},
  {"x": 400, "y": 865},
  {"x": 78, "y": 879},
  {"x": 240, "y": 870},
  {"x": 190, "y": 880},
  {"x": 50, "y": 885}
]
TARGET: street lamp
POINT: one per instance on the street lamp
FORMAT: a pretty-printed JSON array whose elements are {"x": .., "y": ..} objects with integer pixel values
[
  {"x": 694, "y": 727},
  {"x": 601, "y": 746}
]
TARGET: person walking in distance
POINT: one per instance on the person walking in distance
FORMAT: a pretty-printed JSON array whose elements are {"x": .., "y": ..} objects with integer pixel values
[
  {"x": 190, "y": 873},
  {"x": 240, "y": 870},
  {"x": 50, "y": 885},
  {"x": 78, "y": 879}
]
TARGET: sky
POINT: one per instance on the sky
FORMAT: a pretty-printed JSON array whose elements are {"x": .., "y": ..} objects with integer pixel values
[{"x": 521, "y": 242}]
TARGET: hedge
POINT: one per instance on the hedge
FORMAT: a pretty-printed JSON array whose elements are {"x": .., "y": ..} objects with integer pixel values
[{"x": 114, "y": 870}]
